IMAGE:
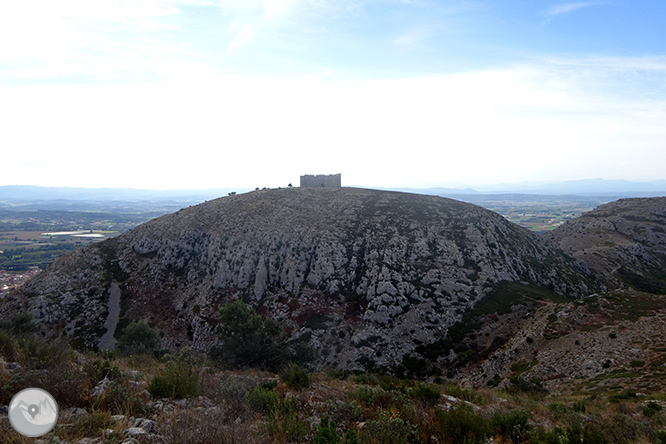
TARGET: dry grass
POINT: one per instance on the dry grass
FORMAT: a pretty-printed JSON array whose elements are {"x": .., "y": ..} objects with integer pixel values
[{"x": 259, "y": 407}]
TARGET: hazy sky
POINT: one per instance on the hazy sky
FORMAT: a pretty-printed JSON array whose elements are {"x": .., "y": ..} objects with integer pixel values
[{"x": 169, "y": 94}]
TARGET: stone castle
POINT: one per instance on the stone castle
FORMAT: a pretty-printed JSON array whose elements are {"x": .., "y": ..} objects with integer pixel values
[{"x": 322, "y": 180}]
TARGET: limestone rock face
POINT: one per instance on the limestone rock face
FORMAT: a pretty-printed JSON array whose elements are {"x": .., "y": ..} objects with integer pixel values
[
  {"x": 623, "y": 242},
  {"x": 364, "y": 274}
]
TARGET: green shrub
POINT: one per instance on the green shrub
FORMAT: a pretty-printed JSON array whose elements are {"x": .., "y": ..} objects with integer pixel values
[
  {"x": 20, "y": 324},
  {"x": 326, "y": 433},
  {"x": 377, "y": 397},
  {"x": 296, "y": 377},
  {"x": 651, "y": 409},
  {"x": 345, "y": 412},
  {"x": 177, "y": 380},
  {"x": 235, "y": 390},
  {"x": 462, "y": 425},
  {"x": 425, "y": 393},
  {"x": 9, "y": 348},
  {"x": 387, "y": 430},
  {"x": 511, "y": 424},
  {"x": 522, "y": 385},
  {"x": 137, "y": 337},
  {"x": 661, "y": 437},
  {"x": 262, "y": 400},
  {"x": 287, "y": 428},
  {"x": 248, "y": 341},
  {"x": 623, "y": 396},
  {"x": 351, "y": 436}
]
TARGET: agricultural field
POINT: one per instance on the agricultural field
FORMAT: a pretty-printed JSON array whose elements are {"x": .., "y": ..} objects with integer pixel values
[
  {"x": 535, "y": 212},
  {"x": 22, "y": 250},
  {"x": 34, "y": 238}
]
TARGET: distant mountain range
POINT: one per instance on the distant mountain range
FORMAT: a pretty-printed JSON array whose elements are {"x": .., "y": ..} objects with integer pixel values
[
  {"x": 588, "y": 187},
  {"x": 581, "y": 187},
  {"x": 29, "y": 192}
]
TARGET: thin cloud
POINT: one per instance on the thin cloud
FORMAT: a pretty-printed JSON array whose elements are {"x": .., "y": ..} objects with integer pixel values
[
  {"x": 566, "y": 8},
  {"x": 241, "y": 37}
]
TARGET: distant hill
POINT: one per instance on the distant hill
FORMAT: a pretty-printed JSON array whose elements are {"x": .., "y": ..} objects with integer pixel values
[
  {"x": 587, "y": 187},
  {"x": 26, "y": 192},
  {"x": 624, "y": 242}
]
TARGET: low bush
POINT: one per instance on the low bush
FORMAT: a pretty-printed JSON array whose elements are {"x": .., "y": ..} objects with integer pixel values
[
  {"x": 426, "y": 394},
  {"x": 248, "y": 341},
  {"x": 377, "y": 397},
  {"x": 20, "y": 324},
  {"x": 177, "y": 380},
  {"x": 287, "y": 428},
  {"x": 651, "y": 409},
  {"x": 235, "y": 390},
  {"x": 388, "y": 430},
  {"x": 137, "y": 337},
  {"x": 263, "y": 400},
  {"x": 344, "y": 412},
  {"x": 9, "y": 348},
  {"x": 326, "y": 432},
  {"x": 296, "y": 377},
  {"x": 462, "y": 425},
  {"x": 522, "y": 385},
  {"x": 511, "y": 424}
]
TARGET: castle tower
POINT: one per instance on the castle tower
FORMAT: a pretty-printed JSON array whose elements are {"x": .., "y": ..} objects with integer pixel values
[{"x": 322, "y": 180}]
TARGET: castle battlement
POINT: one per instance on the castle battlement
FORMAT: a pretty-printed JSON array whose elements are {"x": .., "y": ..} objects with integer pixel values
[{"x": 322, "y": 180}]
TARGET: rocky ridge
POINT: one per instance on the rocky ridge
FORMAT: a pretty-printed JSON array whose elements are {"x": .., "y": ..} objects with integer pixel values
[
  {"x": 623, "y": 242},
  {"x": 364, "y": 275}
]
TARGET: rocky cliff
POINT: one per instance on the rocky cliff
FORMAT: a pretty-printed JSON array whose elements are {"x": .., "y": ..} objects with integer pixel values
[
  {"x": 366, "y": 276},
  {"x": 623, "y": 242}
]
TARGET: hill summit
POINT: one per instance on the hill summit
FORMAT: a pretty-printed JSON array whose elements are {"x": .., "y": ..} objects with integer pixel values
[{"x": 365, "y": 276}]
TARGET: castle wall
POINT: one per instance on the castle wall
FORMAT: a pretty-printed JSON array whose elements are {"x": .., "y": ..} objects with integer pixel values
[{"x": 322, "y": 180}]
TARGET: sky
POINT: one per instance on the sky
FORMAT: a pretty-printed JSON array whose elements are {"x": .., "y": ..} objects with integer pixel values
[{"x": 184, "y": 94}]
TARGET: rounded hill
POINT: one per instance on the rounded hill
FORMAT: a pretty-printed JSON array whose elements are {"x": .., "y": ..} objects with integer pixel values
[
  {"x": 365, "y": 276},
  {"x": 623, "y": 242}
]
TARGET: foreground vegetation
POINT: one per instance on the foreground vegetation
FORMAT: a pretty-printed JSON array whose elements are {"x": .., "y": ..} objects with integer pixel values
[{"x": 195, "y": 398}]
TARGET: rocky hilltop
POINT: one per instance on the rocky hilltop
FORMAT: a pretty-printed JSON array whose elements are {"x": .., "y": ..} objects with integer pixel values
[
  {"x": 369, "y": 278},
  {"x": 623, "y": 242}
]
